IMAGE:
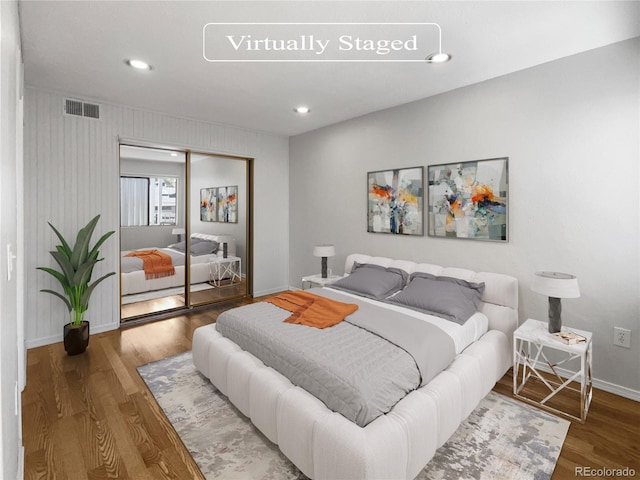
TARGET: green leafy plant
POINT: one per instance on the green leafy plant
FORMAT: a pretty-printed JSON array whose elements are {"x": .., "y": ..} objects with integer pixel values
[{"x": 76, "y": 266}]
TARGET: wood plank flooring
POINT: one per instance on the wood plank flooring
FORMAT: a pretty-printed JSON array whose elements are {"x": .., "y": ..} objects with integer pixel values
[
  {"x": 610, "y": 438},
  {"x": 92, "y": 417},
  {"x": 161, "y": 304}
]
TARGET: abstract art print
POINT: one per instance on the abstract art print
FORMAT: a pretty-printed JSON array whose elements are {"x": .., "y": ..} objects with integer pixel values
[
  {"x": 228, "y": 204},
  {"x": 395, "y": 201},
  {"x": 469, "y": 200},
  {"x": 208, "y": 205}
]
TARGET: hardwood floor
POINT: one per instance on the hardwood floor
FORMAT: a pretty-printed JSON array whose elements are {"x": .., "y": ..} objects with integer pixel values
[
  {"x": 92, "y": 417},
  {"x": 609, "y": 439},
  {"x": 225, "y": 292}
]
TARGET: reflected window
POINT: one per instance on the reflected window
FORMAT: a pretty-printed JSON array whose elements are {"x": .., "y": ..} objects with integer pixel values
[{"x": 148, "y": 201}]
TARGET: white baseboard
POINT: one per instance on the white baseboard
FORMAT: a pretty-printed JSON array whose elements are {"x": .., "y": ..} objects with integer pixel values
[
  {"x": 625, "y": 392},
  {"x": 21, "y": 462},
  {"x": 39, "y": 342},
  {"x": 617, "y": 389}
]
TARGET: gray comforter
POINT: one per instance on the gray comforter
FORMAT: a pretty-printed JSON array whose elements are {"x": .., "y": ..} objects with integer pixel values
[
  {"x": 360, "y": 367},
  {"x": 134, "y": 264}
]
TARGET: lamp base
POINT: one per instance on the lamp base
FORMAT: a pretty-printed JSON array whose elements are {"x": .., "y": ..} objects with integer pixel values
[
  {"x": 324, "y": 267},
  {"x": 555, "y": 322}
]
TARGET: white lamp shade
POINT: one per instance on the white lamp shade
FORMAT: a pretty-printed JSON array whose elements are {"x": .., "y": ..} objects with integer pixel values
[
  {"x": 178, "y": 231},
  {"x": 555, "y": 284},
  {"x": 324, "y": 251}
]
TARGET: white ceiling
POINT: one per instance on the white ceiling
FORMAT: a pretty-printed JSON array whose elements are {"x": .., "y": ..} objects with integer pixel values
[
  {"x": 79, "y": 47},
  {"x": 151, "y": 154}
]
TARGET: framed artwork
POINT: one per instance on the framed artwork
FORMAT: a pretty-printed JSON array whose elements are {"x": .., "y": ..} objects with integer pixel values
[
  {"x": 469, "y": 200},
  {"x": 232, "y": 204},
  {"x": 208, "y": 205},
  {"x": 228, "y": 204},
  {"x": 395, "y": 201}
]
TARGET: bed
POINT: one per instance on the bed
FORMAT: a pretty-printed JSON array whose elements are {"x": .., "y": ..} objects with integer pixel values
[
  {"x": 325, "y": 444},
  {"x": 136, "y": 281}
]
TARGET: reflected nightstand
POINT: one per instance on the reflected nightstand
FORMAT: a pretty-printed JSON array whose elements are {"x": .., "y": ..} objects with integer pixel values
[{"x": 225, "y": 268}]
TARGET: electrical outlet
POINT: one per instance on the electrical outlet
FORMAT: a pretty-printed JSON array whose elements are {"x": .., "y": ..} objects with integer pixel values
[{"x": 622, "y": 337}]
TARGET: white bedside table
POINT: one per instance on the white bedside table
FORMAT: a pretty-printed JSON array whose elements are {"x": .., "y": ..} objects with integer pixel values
[
  {"x": 221, "y": 268},
  {"x": 318, "y": 281},
  {"x": 530, "y": 342}
]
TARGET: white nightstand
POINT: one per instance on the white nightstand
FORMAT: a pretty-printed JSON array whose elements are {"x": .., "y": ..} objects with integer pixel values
[
  {"x": 530, "y": 342},
  {"x": 318, "y": 281},
  {"x": 221, "y": 268}
]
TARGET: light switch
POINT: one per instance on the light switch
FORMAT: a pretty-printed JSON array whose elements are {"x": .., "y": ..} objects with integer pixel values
[{"x": 10, "y": 258}]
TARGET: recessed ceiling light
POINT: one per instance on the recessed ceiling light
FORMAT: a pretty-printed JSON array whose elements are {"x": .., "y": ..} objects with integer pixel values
[
  {"x": 174, "y": 154},
  {"x": 439, "y": 57},
  {"x": 302, "y": 109},
  {"x": 139, "y": 64}
]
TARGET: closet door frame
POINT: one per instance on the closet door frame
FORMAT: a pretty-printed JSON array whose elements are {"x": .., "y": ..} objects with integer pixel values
[{"x": 249, "y": 179}]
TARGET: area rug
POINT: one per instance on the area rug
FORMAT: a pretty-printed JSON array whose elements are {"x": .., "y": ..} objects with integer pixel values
[
  {"x": 501, "y": 439},
  {"x": 165, "y": 292}
]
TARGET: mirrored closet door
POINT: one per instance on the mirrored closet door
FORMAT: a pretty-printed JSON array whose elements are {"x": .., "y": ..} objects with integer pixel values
[
  {"x": 218, "y": 226},
  {"x": 185, "y": 220},
  {"x": 152, "y": 226}
]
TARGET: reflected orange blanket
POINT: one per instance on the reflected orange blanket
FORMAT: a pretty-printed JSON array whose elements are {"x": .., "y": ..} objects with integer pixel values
[
  {"x": 312, "y": 310},
  {"x": 156, "y": 264}
]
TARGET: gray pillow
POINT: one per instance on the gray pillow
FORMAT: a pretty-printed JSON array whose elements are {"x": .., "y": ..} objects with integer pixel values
[
  {"x": 204, "y": 247},
  {"x": 182, "y": 246},
  {"x": 372, "y": 281},
  {"x": 449, "y": 298}
]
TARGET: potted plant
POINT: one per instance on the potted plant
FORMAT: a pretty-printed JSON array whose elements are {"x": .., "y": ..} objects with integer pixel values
[{"x": 76, "y": 265}]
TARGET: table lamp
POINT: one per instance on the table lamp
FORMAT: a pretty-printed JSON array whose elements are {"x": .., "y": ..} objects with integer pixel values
[
  {"x": 179, "y": 232},
  {"x": 556, "y": 286},
  {"x": 324, "y": 251}
]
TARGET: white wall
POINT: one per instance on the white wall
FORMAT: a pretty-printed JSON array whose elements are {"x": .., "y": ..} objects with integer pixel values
[
  {"x": 220, "y": 172},
  {"x": 571, "y": 131},
  {"x": 71, "y": 174},
  {"x": 11, "y": 337}
]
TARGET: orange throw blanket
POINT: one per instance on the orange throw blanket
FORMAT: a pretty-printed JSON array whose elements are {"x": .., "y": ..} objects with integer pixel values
[
  {"x": 156, "y": 264},
  {"x": 312, "y": 310}
]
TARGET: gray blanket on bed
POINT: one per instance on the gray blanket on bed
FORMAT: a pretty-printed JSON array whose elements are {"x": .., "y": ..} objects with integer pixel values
[
  {"x": 360, "y": 367},
  {"x": 134, "y": 264}
]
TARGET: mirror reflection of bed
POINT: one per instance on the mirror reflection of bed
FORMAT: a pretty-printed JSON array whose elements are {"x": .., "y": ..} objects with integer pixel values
[
  {"x": 213, "y": 276},
  {"x": 153, "y": 226}
]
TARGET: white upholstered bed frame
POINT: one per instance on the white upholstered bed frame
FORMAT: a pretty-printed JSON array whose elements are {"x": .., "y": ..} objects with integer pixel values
[
  {"x": 324, "y": 444},
  {"x": 135, "y": 282}
]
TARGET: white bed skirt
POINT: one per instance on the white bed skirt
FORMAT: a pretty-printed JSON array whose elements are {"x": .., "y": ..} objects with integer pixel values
[
  {"x": 136, "y": 282},
  {"x": 324, "y": 444}
]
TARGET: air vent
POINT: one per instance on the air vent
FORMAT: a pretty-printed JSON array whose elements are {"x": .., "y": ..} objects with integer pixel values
[
  {"x": 73, "y": 107},
  {"x": 91, "y": 110},
  {"x": 81, "y": 109}
]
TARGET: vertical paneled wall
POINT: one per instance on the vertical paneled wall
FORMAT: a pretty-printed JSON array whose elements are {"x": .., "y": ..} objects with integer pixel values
[
  {"x": 11, "y": 348},
  {"x": 72, "y": 174}
]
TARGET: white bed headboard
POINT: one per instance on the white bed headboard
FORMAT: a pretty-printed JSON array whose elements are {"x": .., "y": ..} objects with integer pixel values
[{"x": 500, "y": 298}]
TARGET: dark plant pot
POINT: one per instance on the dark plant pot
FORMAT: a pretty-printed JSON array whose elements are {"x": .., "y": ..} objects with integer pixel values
[{"x": 76, "y": 338}]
